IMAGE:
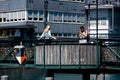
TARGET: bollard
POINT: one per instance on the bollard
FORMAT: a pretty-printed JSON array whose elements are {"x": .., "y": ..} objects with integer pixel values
[
  {"x": 4, "y": 77},
  {"x": 100, "y": 77},
  {"x": 49, "y": 78}
]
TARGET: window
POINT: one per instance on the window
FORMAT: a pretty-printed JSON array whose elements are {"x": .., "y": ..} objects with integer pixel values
[
  {"x": 21, "y": 15},
  {"x": 93, "y": 1},
  {"x": 7, "y": 17},
  {"x": 13, "y": 32},
  {"x": 82, "y": 18},
  {"x": 30, "y": 14},
  {"x": 82, "y": 0},
  {"x": 103, "y": 21},
  {"x": 60, "y": 17},
  {"x": 73, "y": 17},
  {"x": 11, "y": 15},
  {"x": 0, "y": 19},
  {"x": 3, "y": 17},
  {"x": 60, "y": 3},
  {"x": 41, "y": 16},
  {"x": 57, "y": 16},
  {"x": 69, "y": 17},
  {"x": 108, "y": 2},
  {"x": 92, "y": 21},
  {"x": 79, "y": 18},
  {"x": 14, "y": 16},
  {"x": 30, "y": 1},
  {"x": 0, "y": 32},
  {"x": 78, "y": 0},
  {"x": 35, "y": 15},
  {"x": 65, "y": 17}
]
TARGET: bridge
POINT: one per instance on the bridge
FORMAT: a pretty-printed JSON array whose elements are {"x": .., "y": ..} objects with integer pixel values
[{"x": 63, "y": 55}]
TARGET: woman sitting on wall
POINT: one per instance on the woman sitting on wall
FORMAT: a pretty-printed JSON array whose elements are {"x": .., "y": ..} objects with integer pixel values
[
  {"x": 83, "y": 35},
  {"x": 47, "y": 34}
]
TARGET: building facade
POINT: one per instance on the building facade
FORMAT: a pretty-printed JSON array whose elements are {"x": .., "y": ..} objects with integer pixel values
[
  {"x": 27, "y": 18},
  {"x": 108, "y": 25}
]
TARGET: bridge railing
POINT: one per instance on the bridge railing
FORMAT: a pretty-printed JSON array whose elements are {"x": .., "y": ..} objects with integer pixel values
[
  {"x": 63, "y": 53},
  {"x": 66, "y": 53},
  {"x": 8, "y": 52},
  {"x": 110, "y": 52}
]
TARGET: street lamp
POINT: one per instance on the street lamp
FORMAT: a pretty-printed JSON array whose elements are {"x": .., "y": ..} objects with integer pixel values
[
  {"x": 89, "y": 8},
  {"x": 97, "y": 20},
  {"x": 89, "y": 17},
  {"x": 45, "y": 12}
]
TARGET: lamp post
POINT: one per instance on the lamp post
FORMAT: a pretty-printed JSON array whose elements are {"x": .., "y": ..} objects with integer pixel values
[
  {"x": 45, "y": 12},
  {"x": 97, "y": 20},
  {"x": 89, "y": 17}
]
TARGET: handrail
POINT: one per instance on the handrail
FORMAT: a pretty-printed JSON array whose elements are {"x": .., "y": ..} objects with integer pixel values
[
  {"x": 106, "y": 44},
  {"x": 113, "y": 51},
  {"x": 8, "y": 54}
]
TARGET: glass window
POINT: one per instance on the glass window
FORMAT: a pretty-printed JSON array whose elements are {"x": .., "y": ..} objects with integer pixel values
[
  {"x": 103, "y": 21},
  {"x": 4, "y": 19},
  {"x": 92, "y": 21},
  {"x": 93, "y": 1},
  {"x": 69, "y": 17},
  {"x": 0, "y": 19},
  {"x": 79, "y": 18},
  {"x": 82, "y": 18},
  {"x": 7, "y": 17},
  {"x": 23, "y": 15},
  {"x": 65, "y": 18},
  {"x": 15, "y": 16},
  {"x": 51, "y": 16},
  {"x": 82, "y": 0},
  {"x": 35, "y": 12},
  {"x": 30, "y": 14},
  {"x": 11, "y": 15},
  {"x": 35, "y": 15},
  {"x": 58, "y": 17},
  {"x": 41, "y": 16},
  {"x": 30, "y": 1},
  {"x": 73, "y": 17}
]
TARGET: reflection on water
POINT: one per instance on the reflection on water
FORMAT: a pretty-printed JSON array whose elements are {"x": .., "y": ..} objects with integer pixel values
[
  {"x": 112, "y": 77},
  {"x": 107, "y": 77}
]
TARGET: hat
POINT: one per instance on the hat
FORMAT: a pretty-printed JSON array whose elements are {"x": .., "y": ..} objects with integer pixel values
[{"x": 47, "y": 28}]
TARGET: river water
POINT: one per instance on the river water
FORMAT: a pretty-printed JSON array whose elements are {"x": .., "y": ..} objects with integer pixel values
[{"x": 107, "y": 77}]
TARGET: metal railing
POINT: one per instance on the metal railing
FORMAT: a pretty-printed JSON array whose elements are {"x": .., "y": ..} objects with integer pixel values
[
  {"x": 63, "y": 53},
  {"x": 110, "y": 53},
  {"x": 66, "y": 54}
]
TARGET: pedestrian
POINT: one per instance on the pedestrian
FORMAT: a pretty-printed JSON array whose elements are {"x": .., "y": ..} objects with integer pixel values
[{"x": 83, "y": 35}]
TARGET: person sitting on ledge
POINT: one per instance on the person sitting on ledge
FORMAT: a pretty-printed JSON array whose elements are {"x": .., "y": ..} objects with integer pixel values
[
  {"x": 46, "y": 34},
  {"x": 83, "y": 35}
]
